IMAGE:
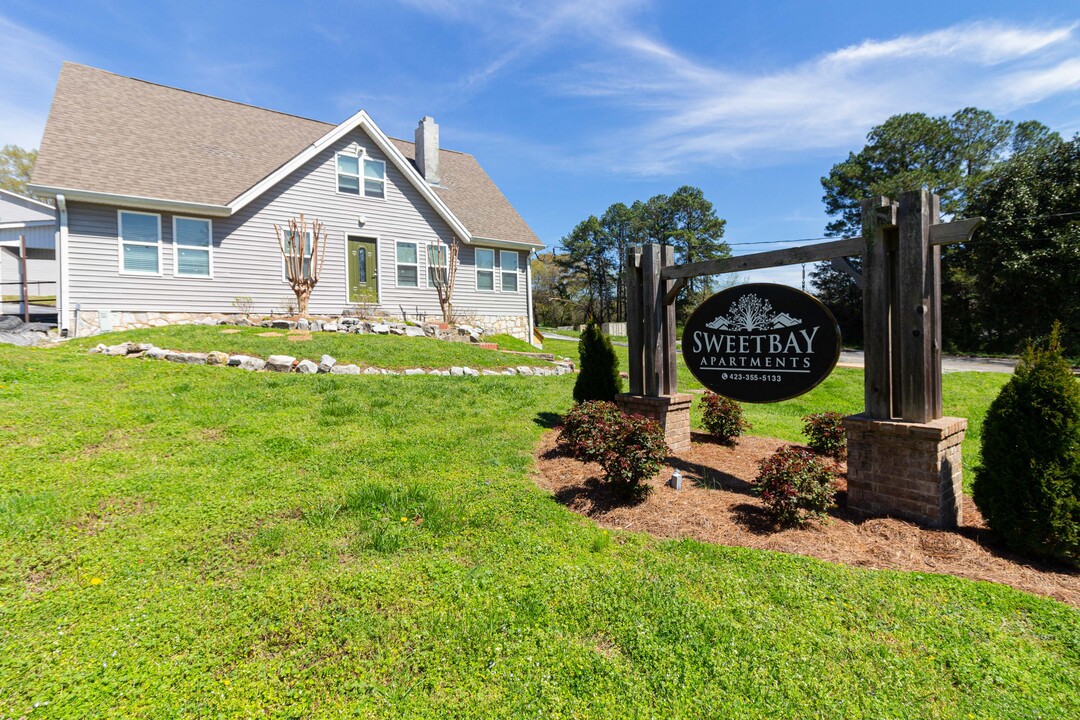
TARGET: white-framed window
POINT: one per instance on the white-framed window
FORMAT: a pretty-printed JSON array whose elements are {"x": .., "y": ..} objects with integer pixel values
[
  {"x": 193, "y": 242},
  {"x": 360, "y": 175},
  {"x": 140, "y": 242},
  {"x": 485, "y": 269},
  {"x": 374, "y": 178},
  {"x": 408, "y": 265},
  {"x": 287, "y": 240},
  {"x": 508, "y": 261}
]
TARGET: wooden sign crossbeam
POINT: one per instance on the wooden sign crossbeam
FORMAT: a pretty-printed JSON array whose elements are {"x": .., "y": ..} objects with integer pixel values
[{"x": 900, "y": 247}]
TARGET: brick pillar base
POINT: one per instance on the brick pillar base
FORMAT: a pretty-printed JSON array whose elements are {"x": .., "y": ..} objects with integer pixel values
[
  {"x": 908, "y": 470},
  {"x": 671, "y": 411}
]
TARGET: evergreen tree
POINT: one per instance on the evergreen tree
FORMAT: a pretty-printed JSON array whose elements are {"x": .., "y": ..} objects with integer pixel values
[
  {"x": 1028, "y": 485},
  {"x": 598, "y": 374}
]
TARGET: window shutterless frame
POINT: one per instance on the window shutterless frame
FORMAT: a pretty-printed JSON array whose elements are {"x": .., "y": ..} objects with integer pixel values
[
  {"x": 508, "y": 261},
  {"x": 407, "y": 264},
  {"x": 190, "y": 241},
  {"x": 360, "y": 175},
  {"x": 485, "y": 270},
  {"x": 134, "y": 241}
]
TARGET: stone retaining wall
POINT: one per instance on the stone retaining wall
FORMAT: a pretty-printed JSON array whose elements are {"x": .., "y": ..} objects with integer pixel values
[{"x": 90, "y": 321}]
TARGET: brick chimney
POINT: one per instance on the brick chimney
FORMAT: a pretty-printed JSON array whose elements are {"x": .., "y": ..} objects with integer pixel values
[{"x": 427, "y": 149}]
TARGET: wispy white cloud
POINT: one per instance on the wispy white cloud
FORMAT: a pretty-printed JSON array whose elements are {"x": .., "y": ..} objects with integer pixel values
[
  {"x": 705, "y": 115},
  {"x": 685, "y": 111},
  {"x": 29, "y": 66}
]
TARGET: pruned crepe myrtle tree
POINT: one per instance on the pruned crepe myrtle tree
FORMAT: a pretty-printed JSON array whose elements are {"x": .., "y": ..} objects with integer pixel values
[
  {"x": 443, "y": 266},
  {"x": 301, "y": 246}
]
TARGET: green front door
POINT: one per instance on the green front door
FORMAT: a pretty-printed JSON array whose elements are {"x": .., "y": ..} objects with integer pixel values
[{"x": 363, "y": 271}]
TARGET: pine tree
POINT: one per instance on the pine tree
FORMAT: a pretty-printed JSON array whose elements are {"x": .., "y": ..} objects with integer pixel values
[{"x": 598, "y": 377}]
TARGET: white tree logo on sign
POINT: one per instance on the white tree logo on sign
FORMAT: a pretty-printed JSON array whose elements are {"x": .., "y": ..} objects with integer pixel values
[{"x": 750, "y": 313}]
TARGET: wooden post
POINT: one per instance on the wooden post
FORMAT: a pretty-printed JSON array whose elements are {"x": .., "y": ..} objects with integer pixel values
[
  {"x": 671, "y": 368},
  {"x": 635, "y": 327},
  {"x": 653, "y": 302},
  {"x": 920, "y": 378},
  {"x": 25, "y": 279},
  {"x": 878, "y": 215}
]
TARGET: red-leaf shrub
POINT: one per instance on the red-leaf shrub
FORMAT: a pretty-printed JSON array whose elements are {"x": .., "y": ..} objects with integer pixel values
[
  {"x": 825, "y": 434},
  {"x": 723, "y": 418},
  {"x": 587, "y": 427},
  {"x": 635, "y": 452},
  {"x": 796, "y": 486},
  {"x": 630, "y": 448}
]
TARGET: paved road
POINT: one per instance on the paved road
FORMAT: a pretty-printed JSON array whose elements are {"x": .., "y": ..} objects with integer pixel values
[{"x": 854, "y": 358}]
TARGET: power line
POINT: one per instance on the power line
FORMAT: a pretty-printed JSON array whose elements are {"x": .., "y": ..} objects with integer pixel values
[{"x": 1027, "y": 218}]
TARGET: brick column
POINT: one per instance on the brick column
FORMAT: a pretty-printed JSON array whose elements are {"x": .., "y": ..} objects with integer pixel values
[
  {"x": 671, "y": 411},
  {"x": 904, "y": 469}
]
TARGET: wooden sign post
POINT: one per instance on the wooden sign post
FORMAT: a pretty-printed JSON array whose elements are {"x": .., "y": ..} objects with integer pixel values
[{"x": 903, "y": 456}]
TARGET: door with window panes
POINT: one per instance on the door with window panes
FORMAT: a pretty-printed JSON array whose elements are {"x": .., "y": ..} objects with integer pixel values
[{"x": 363, "y": 271}]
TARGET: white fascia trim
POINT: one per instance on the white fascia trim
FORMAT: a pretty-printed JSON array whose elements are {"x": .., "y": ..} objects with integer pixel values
[
  {"x": 360, "y": 119},
  {"x": 24, "y": 198},
  {"x": 507, "y": 244},
  {"x": 28, "y": 223},
  {"x": 132, "y": 201}
]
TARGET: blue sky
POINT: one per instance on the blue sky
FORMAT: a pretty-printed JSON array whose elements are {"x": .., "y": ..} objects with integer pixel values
[{"x": 573, "y": 105}]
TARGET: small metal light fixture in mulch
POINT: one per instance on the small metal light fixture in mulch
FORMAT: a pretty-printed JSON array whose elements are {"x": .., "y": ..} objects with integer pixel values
[{"x": 717, "y": 504}]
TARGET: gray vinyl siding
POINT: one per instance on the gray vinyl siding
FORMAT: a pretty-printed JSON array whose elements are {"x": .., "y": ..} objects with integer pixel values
[{"x": 246, "y": 261}]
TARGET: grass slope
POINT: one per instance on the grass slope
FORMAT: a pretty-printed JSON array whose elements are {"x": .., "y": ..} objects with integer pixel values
[{"x": 180, "y": 541}]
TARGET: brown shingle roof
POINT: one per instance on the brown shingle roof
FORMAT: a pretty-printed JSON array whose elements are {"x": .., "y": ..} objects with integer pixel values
[
  {"x": 473, "y": 197},
  {"x": 113, "y": 134}
]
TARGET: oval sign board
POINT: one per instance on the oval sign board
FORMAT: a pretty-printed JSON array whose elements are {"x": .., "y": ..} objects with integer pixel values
[{"x": 761, "y": 343}]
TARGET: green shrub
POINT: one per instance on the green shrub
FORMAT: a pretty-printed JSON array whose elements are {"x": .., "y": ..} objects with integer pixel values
[
  {"x": 1028, "y": 484},
  {"x": 598, "y": 374},
  {"x": 825, "y": 434},
  {"x": 796, "y": 486},
  {"x": 587, "y": 428},
  {"x": 723, "y": 418},
  {"x": 630, "y": 448}
]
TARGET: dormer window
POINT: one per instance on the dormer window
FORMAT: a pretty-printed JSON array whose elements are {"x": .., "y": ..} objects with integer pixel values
[{"x": 372, "y": 183}]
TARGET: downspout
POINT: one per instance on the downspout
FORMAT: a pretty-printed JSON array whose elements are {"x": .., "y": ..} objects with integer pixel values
[
  {"x": 62, "y": 300},
  {"x": 529, "y": 297}
]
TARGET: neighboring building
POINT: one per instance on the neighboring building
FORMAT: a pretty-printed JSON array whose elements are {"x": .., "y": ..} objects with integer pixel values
[
  {"x": 168, "y": 199},
  {"x": 25, "y": 218}
]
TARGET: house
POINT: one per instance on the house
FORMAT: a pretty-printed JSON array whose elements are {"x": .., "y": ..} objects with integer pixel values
[
  {"x": 24, "y": 219},
  {"x": 167, "y": 202}
]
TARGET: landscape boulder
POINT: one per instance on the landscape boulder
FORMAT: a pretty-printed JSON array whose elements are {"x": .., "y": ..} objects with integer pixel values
[
  {"x": 306, "y": 367},
  {"x": 326, "y": 364},
  {"x": 345, "y": 370},
  {"x": 280, "y": 363},
  {"x": 217, "y": 358}
]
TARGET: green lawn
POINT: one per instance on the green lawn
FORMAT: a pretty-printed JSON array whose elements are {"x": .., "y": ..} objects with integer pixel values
[
  {"x": 383, "y": 351},
  {"x": 190, "y": 541}
]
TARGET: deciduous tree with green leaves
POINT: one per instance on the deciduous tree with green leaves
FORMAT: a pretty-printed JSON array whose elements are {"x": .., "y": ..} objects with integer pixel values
[
  {"x": 951, "y": 156},
  {"x": 16, "y": 164}
]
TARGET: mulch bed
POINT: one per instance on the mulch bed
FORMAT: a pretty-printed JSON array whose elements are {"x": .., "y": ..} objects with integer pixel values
[{"x": 717, "y": 504}]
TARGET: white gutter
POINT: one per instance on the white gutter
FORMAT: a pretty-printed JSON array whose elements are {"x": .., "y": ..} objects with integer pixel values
[
  {"x": 62, "y": 260},
  {"x": 132, "y": 201},
  {"x": 508, "y": 244},
  {"x": 528, "y": 296}
]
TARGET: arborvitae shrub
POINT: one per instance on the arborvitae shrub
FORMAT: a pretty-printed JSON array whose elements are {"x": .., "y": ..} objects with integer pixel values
[
  {"x": 1028, "y": 484},
  {"x": 723, "y": 418},
  {"x": 586, "y": 428},
  {"x": 796, "y": 486},
  {"x": 598, "y": 374},
  {"x": 825, "y": 434}
]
